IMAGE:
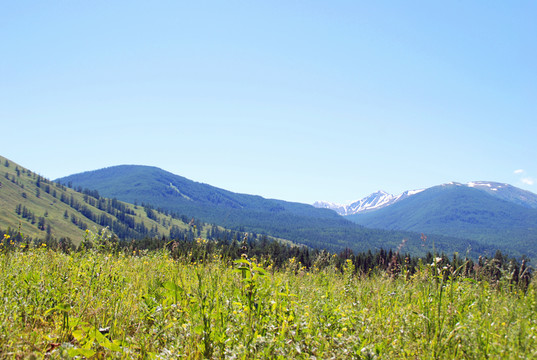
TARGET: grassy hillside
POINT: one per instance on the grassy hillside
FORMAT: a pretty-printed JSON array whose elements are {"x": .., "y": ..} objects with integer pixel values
[
  {"x": 462, "y": 212},
  {"x": 41, "y": 209}
]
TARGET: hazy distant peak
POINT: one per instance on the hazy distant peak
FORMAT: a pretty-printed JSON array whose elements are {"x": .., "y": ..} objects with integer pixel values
[
  {"x": 374, "y": 201},
  {"x": 381, "y": 199}
]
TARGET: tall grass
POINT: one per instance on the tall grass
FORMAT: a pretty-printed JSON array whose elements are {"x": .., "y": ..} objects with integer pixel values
[{"x": 96, "y": 304}]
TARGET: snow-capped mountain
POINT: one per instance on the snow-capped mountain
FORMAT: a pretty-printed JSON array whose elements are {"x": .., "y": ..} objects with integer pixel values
[
  {"x": 381, "y": 199},
  {"x": 505, "y": 192},
  {"x": 375, "y": 201},
  {"x": 497, "y": 214}
]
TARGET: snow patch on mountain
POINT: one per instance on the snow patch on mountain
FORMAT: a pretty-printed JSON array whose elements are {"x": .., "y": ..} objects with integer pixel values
[
  {"x": 381, "y": 199},
  {"x": 375, "y": 201},
  {"x": 507, "y": 192},
  {"x": 492, "y": 186}
]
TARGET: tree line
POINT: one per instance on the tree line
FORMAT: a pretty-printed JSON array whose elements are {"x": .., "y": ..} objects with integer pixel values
[{"x": 231, "y": 245}]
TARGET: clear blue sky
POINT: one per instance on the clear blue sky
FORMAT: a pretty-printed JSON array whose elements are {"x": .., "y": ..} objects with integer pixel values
[{"x": 295, "y": 100}]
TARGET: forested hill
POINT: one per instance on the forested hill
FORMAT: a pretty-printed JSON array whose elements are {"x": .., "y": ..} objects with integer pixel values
[
  {"x": 301, "y": 223},
  {"x": 34, "y": 208},
  {"x": 461, "y": 211},
  {"x": 136, "y": 184}
]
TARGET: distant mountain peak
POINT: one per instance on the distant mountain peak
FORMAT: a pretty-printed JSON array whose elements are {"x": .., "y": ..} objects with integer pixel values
[
  {"x": 506, "y": 192},
  {"x": 490, "y": 185},
  {"x": 374, "y": 201},
  {"x": 381, "y": 199}
]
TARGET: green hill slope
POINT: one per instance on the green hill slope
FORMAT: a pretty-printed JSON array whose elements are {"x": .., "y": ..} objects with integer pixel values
[
  {"x": 44, "y": 209},
  {"x": 463, "y": 212},
  {"x": 135, "y": 183}
]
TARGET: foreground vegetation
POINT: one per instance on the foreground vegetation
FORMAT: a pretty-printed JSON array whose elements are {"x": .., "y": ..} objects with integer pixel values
[{"x": 105, "y": 302}]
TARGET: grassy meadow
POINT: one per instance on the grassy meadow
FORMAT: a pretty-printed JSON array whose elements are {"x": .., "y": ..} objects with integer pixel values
[{"x": 98, "y": 304}]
